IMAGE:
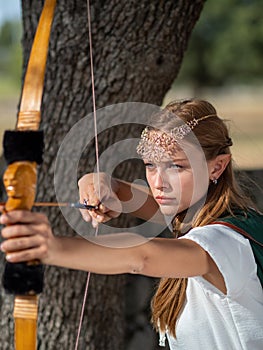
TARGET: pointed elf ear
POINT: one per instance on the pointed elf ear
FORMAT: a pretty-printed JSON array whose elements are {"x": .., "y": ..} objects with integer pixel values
[{"x": 217, "y": 166}]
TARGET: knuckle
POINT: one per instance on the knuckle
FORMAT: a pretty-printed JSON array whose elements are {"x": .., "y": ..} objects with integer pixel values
[
  {"x": 20, "y": 243},
  {"x": 43, "y": 250},
  {"x": 43, "y": 229},
  {"x": 17, "y": 215},
  {"x": 42, "y": 240},
  {"x": 43, "y": 217},
  {"x": 85, "y": 178},
  {"x": 80, "y": 181},
  {"x": 27, "y": 255}
]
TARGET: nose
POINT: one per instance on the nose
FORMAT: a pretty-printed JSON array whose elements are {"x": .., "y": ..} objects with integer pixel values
[{"x": 160, "y": 181}]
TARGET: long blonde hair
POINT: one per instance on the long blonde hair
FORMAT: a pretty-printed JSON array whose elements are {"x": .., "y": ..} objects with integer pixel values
[{"x": 222, "y": 198}]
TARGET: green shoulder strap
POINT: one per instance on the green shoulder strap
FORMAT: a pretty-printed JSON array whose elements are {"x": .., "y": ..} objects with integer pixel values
[{"x": 250, "y": 225}]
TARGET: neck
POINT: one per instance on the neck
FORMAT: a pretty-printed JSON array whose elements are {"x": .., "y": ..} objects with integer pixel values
[{"x": 183, "y": 221}]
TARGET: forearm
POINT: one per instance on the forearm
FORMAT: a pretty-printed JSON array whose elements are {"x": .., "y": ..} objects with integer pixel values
[
  {"x": 157, "y": 257},
  {"x": 102, "y": 255},
  {"x": 28, "y": 236}
]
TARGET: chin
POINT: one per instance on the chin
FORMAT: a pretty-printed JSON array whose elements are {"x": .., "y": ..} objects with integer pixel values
[{"x": 168, "y": 211}]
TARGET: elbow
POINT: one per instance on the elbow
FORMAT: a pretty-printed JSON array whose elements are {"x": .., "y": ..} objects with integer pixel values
[{"x": 139, "y": 266}]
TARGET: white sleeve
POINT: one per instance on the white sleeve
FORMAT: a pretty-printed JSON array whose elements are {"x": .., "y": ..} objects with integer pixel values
[{"x": 230, "y": 251}]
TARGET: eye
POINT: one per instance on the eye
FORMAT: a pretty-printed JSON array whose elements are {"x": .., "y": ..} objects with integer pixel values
[
  {"x": 149, "y": 165},
  {"x": 175, "y": 166}
]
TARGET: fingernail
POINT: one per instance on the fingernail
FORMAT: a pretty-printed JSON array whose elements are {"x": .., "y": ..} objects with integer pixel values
[
  {"x": 102, "y": 207},
  {"x": 2, "y": 247},
  {"x": 99, "y": 218},
  {"x": 3, "y": 219},
  {"x": 9, "y": 257},
  {"x": 86, "y": 218}
]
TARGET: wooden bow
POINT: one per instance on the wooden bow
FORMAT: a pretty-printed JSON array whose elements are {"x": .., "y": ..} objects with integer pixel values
[{"x": 20, "y": 181}]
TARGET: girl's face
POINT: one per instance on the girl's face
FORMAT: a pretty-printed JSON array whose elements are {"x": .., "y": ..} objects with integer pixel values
[{"x": 174, "y": 184}]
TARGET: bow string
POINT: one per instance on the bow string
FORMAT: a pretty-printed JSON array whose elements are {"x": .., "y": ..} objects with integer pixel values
[{"x": 97, "y": 160}]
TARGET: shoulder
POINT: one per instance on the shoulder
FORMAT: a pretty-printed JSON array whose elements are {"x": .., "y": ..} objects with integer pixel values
[
  {"x": 230, "y": 251},
  {"x": 215, "y": 233}
]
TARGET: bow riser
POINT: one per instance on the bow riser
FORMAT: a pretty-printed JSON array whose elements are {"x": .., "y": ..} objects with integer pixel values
[{"x": 23, "y": 152}]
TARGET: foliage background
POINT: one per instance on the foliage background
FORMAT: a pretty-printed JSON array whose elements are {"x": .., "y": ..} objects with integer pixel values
[{"x": 223, "y": 64}]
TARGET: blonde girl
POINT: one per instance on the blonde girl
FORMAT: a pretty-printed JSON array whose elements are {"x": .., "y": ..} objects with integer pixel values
[{"x": 209, "y": 296}]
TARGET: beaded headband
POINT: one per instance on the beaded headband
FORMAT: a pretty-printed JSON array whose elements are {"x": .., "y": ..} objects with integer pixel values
[{"x": 160, "y": 145}]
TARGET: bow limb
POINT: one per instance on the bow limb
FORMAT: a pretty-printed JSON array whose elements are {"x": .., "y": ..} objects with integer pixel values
[
  {"x": 23, "y": 152},
  {"x": 29, "y": 115}
]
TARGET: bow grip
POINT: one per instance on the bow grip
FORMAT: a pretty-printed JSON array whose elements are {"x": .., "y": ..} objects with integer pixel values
[{"x": 23, "y": 151}]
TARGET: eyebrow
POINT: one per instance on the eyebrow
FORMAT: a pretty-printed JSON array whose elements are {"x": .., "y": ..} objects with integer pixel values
[
  {"x": 178, "y": 160},
  {"x": 168, "y": 161}
]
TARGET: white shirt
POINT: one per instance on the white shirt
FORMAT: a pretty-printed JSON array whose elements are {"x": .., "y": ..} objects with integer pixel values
[{"x": 210, "y": 319}]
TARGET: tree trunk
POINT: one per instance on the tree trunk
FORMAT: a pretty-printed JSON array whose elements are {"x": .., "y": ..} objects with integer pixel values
[{"x": 138, "y": 48}]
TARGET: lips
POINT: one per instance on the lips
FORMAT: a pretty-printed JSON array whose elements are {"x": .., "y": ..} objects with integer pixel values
[{"x": 164, "y": 200}]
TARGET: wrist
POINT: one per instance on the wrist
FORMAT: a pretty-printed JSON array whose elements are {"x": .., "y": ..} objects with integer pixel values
[{"x": 55, "y": 251}]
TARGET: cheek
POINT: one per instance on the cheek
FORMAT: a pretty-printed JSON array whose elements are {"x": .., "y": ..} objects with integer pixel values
[
  {"x": 149, "y": 178},
  {"x": 186, "y": 185},
  {"x": 177, "y": 182},
  {"x": 199, "y": 188},
  {"x": 183, "y": 187}
]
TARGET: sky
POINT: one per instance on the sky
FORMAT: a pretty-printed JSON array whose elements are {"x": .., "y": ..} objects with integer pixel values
[{"x": 9, "y": 9}]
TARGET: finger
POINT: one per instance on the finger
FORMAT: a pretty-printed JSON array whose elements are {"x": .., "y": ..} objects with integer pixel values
[
  {"x": 103, "y": 209},
  {"x": 22, "y": 243},
  {"x": 38, "y": 253},
  {"x": 25, "y": 230},
  {"x": 84, "y": 198},
  {"x": 103, "y": 214},
  {"x": 94, "y": 223},
  {"x": 102, "y": 218},
  {"x": 112, "y": 214},
  {"x": 89, "y": 193},
  {"x": 22, "y": 216},
  {"x": 93, "y": 199},
  {"x": 84, "y": 212},
  {"x": 98, "y": 219},
  {"x": 88, "y": 213}
]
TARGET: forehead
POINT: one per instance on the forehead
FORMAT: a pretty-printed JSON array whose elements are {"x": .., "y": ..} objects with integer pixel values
[{"x": 158, "y": 146}]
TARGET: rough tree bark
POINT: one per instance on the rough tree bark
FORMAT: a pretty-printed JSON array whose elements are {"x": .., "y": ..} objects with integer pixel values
[{"x": 138, "y": 49}]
